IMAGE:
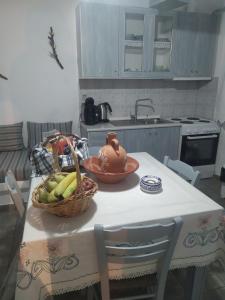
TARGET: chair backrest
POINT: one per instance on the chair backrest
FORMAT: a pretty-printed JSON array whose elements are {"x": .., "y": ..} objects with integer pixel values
[
  {"x": 15, "y": 192},
  {"x": 182, "y": 169},
  {"x": 137, "y": 244}
]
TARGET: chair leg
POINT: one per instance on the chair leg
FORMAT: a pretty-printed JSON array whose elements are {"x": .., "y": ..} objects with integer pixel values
[
  {"x": 91, "y": 293},
  {"x": 199, "y": 283}
]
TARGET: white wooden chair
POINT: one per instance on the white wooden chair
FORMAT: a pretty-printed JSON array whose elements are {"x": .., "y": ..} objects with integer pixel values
[
  {"x": 183, "y": 169},
  {"x": 7, "y": 288},
  {"x": 134, "y": 245},
  {"x": 15, "y": 192}
]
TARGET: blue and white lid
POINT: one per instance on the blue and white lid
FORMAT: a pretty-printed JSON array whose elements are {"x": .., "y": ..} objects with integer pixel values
[{"x": 151, "y": 184}]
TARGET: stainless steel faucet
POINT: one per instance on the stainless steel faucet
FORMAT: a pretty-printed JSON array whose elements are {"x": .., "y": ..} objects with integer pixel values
[{"x": 138, "y": 104}]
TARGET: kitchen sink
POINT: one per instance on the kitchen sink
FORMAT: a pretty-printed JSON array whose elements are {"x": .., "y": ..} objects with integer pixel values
[{"x": 140, "y": 122}]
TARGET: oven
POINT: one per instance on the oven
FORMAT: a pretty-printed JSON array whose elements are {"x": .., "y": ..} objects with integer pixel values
[{"x": 200, "y": 152}]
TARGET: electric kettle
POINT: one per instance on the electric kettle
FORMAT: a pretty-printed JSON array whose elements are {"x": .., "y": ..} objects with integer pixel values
[{"x": 103, "y": 109}]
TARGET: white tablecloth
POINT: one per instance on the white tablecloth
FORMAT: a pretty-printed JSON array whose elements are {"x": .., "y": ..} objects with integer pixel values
[{"x": 58, "y": 254}]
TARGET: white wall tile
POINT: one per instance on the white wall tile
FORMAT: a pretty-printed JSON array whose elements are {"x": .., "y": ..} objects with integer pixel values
[{"x": 170, "y": 98}]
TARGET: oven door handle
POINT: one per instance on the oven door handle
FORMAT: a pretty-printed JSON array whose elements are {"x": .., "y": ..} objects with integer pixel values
[{"x": 202, "y": 137}]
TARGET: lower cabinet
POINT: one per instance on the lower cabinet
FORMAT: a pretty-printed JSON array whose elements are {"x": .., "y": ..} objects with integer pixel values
[
  {"x": 158, "y": 142},
  {"x": 98, "y": 138}
]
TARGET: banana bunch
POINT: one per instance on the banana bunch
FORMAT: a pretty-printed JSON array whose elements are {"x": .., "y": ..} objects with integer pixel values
[{"x": 58, "y": 188}]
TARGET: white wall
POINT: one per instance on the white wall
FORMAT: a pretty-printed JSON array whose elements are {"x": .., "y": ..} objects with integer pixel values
[
  {"x": 37, "y": 88},
  {"x": 220, "y": 101}
]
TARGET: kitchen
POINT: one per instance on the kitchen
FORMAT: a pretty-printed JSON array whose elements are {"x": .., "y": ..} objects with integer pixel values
[
  {"x": 164, "y": 99},
  {"x": 179, "y": 98},
  {"x": 182, "y": 91}
]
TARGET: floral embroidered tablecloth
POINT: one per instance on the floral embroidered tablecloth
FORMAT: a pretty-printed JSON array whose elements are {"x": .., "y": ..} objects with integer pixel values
[{"x": 58, "y": 255}]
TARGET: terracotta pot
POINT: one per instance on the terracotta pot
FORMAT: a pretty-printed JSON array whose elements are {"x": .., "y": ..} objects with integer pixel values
[{"x": 112, "y": 157}]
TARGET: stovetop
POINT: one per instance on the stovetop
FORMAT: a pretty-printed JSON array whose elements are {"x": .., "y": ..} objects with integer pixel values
[{"x": 194, "y": 125}]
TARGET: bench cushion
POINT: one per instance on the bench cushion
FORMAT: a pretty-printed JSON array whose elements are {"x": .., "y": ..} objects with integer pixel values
[
  {"x": 35, "y": 131},
  {"x": 11, "y": 138},
  {"x": 18, "y": 162}
]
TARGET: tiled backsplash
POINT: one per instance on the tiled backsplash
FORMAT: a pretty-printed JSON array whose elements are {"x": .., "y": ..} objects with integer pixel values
[
  {"x": 206, "y": 99},
  {"x": 170, "y": 98}
]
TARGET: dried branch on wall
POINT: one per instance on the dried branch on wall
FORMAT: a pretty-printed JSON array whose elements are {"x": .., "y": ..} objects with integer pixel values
[
  {"x": 53, "y": 54},
  {"x": 3, "y": 77}
]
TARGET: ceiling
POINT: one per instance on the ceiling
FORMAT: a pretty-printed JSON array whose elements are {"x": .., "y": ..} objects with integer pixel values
[{"x": 204, "y": 6}]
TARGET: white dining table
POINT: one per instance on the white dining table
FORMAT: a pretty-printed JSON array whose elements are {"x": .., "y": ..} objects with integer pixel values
[{"x": 58, "y": 254}]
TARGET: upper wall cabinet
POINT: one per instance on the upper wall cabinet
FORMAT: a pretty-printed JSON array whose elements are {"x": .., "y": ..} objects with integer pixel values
[
  {"x": 135, "y": 42},
  {"x": 97, "y": 40},
  {"x": 145, "y": 44},
  {"x": 162, "y": 46},
  {"x": 128, "y": 42},
  {"x": 194, "y": 43}
]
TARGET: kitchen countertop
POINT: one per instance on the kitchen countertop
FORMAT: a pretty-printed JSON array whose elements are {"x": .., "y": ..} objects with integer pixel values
[{"x": 109, "y": 126}]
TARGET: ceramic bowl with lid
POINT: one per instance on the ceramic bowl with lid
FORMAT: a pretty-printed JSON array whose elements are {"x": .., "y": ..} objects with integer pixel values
[{"x": 151, "y": 184}]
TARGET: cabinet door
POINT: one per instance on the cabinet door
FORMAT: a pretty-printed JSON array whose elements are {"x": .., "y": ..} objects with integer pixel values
[
  {"x": 184, "y": 44},
  {"x": 162, "y": 46},
  {"x": 136, "y": 140},
  {"x": 98, "y": 138},
  {"x": 135, "y": 42},
  {"x": 166, "y": 142},
  {"x": 156, "y": 141},
  {"x": 97, "y": 28},
  {"x": 205, "y": 45},
  {"x": 194, "y": 42}
]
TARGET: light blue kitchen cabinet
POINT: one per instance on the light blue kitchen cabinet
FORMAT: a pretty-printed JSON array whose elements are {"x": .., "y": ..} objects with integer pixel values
[
  {"x": 162, "y": 46},
  {"x": 137, "y": 140},
  {"x": 158, "y": 141},
  {"x": 206, "y": 44},
  {"x": 165, "y": 141},
  {"x": 98, "y": 138},
  {"x": 97, "y": 40},
  {"x": 184, "y": 44},
  {"x": 136, "y": 36},
  {"x": 194, "y": 43},
  {"x": 145, "y": 44},
  {"x": 130, "y": 42}
]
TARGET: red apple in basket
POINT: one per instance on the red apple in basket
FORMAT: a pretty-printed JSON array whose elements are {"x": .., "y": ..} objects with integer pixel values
[{"x": 61, "y": 145}]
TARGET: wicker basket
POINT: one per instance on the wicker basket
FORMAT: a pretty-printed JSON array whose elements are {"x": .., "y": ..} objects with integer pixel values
[{"x": 77, "y": 203}]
